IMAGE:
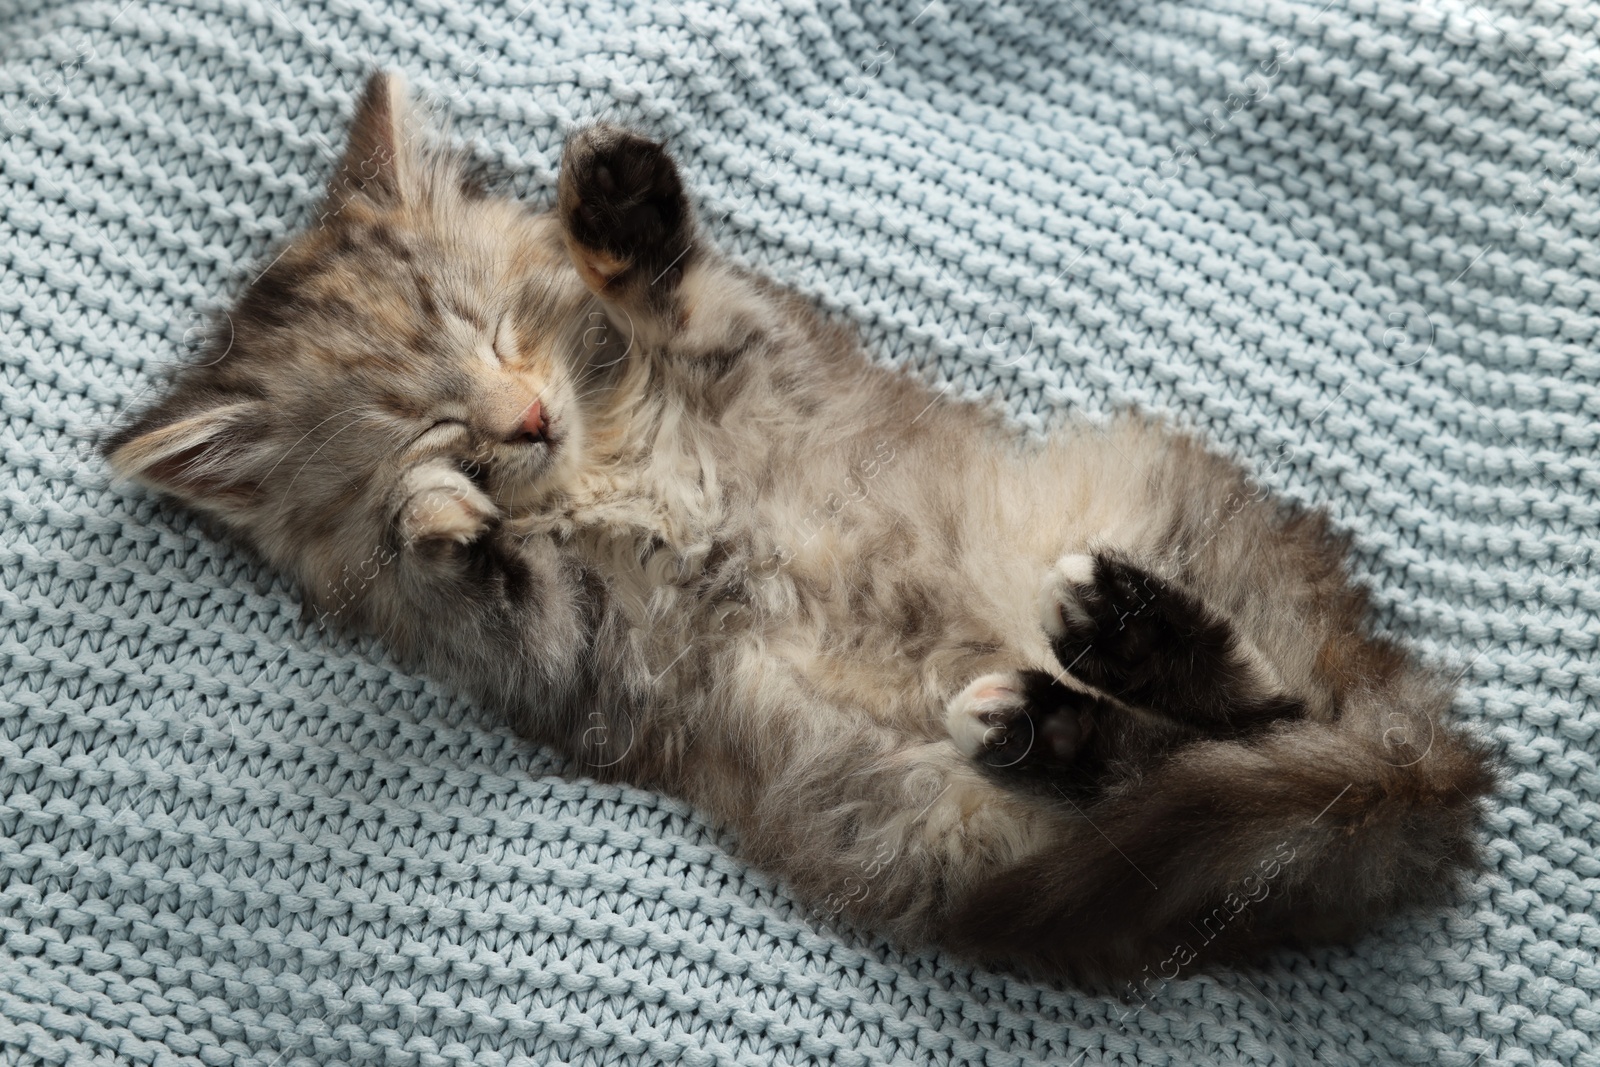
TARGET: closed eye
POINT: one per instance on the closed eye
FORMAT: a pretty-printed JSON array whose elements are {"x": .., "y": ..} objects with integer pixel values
[
  {"x": 442, "y": 432},
  {"x": 505, "y": 341}
]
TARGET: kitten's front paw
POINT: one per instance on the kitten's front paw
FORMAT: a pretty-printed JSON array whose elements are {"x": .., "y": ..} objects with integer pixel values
[
  {"x": 442, "y": 505},
  {"x": 1020, "y": 717},
  {"x": 624, "y": 207}
]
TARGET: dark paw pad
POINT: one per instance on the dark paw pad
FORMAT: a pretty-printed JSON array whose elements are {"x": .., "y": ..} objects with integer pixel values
[
  {"x": 1107, "y": 619},
  {"x": 1154, "y": 645},
  {"x": 621, "y": 195}
]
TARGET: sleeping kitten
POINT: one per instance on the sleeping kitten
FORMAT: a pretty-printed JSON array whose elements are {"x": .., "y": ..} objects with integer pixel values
[{"x": 1059, "y": 707}]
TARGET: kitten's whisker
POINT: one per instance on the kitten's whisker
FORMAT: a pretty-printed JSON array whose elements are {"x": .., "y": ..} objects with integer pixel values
[{"x": 587, "y": 393}]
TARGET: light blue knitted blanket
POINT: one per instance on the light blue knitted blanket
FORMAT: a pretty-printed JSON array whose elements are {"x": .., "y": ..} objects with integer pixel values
[{"x": 1359, "y": 244}]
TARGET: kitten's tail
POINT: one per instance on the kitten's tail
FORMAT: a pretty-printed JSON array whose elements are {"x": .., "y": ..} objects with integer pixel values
[{"x": 1308, "y": 834}]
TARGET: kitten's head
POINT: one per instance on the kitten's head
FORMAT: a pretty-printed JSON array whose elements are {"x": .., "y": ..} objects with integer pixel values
[{"x": 415, "y": 324}]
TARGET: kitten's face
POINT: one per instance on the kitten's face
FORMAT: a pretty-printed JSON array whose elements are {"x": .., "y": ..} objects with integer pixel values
[
  {"x": 441, "y": 326},
  {"x": 413, "y": 325}
]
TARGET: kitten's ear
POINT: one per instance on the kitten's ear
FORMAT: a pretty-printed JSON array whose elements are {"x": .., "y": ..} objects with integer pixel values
[
  {"x": 206, "y": 454},
  {"x": 380, "y": 157}
]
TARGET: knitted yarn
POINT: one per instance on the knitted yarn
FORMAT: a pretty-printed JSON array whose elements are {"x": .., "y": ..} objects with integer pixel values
[{"x": 1356, "y": 242}]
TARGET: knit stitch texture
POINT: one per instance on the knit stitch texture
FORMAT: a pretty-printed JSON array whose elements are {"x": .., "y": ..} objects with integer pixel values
[{"x": 1356, "y": 243}]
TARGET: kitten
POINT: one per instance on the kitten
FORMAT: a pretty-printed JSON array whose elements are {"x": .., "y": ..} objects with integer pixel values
[{"x": 1060, "y": 707}]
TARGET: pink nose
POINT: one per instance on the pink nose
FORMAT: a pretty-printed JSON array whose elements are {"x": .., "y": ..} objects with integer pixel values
[{"x": 533, "y": 424}]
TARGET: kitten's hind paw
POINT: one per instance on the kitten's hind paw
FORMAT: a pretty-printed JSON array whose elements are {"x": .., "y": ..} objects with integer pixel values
[
  {"x": 442, "y": 505},
  {"x": 1151, "y": 644},
  {"x": 624, "y": 209},
  {"x": 1020, "y": 718},
  {"x": 1103, "y": 617},
  {"x": 1118, "y": 626}
]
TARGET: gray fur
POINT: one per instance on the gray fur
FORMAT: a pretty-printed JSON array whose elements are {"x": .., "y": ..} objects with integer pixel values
[{"x": 755, "y": 570}]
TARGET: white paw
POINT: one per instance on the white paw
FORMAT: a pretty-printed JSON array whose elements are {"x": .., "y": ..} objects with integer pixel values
[
  {"x": 1061, "y": 596},
  {"x": 442, "y": 504},
  {"x": 981, "y": 715}
]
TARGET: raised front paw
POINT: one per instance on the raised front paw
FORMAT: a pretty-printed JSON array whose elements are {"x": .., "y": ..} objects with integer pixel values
[
  {"x": 1021, "y": 718},
  {"x": 443, "y": 506},
  {"x": 624, "y": 209}
]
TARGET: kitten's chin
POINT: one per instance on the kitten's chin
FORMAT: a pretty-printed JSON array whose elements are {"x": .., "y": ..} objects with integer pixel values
[
  {"x": 521, "y": 496},
  {"x": 529, "y": 489}
]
